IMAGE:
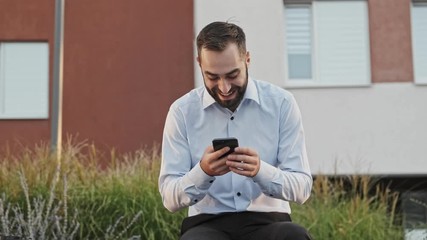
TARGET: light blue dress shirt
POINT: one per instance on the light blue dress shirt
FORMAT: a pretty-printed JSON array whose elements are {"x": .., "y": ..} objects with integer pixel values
[{"x": 267, "y": 120}]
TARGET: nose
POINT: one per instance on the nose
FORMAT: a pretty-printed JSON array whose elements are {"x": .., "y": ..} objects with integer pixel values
[{"x": 224, "y": 86}]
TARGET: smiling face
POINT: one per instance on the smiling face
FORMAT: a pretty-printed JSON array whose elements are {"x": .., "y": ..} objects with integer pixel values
[{"x": 225, "y": 74}]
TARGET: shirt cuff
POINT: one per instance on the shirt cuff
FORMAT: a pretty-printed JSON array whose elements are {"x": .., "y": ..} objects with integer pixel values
[
  {"x": 199, "y": 178},
  {"x": 265, "y": 174}
]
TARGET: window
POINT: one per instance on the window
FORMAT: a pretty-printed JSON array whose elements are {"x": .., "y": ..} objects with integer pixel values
[
  {"x": 419, "y": 40},
  {"x": 24, "y": 81},
  {"x": 327, "y": 43}
]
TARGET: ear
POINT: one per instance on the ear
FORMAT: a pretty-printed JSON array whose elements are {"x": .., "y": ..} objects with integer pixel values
[
  {"x": 248, "y": 58},
  {"x": 198, "y": 60}
]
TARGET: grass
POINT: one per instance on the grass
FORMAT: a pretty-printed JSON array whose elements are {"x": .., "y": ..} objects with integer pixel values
[
  {"x": 100, "y": 190},
  {"x": 88, "y": 194},
  {"x": 352, "y": 207}
]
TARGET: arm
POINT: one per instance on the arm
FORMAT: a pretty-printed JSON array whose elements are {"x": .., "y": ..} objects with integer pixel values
[
  {"x": 291, "y": 180},
  {"x": 181, "y": 184}
]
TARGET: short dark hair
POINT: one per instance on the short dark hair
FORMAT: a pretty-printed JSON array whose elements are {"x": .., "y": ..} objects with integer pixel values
[{"x": 217, "y": 35}]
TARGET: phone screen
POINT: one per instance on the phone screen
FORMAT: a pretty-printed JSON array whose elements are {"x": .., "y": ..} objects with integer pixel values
[{"x": 219, "y": 143}]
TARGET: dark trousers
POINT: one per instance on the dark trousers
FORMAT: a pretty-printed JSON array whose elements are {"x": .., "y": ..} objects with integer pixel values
[{"x": 242, "y": 225}]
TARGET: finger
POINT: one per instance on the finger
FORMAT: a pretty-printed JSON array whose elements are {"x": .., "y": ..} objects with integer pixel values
[
  {"x": 240, "y": 171},
  {"x": 209, "y": 149},
  {"x": 245, "y": 151},
  {"x": 246, "y": 170},
  {"x": 219, "y": 167},
  {"x": 242, "y": 158},
  {"x": 220, "y": 152},
  {"x": 237, "y": 157},
  {"x": 241, "y": 166},
  {"x": 223, "y": 171}
]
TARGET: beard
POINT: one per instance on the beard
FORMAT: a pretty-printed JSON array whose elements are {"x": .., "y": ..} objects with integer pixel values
[{"x": 233, "y": 103}]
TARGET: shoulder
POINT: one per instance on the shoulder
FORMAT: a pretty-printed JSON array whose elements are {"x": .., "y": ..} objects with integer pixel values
[
  {"x": 269, "y": 92},
  {"x": 190, "y": 99}
]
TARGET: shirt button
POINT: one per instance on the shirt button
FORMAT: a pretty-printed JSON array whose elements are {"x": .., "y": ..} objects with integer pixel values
[
  {"x": 271, "y": 195},
  {"x": 238, "y": 194},
  {"x": 211, "y": 181},
  {"x": 232, "y": 118},
  {"x": 195, "y": 200}
]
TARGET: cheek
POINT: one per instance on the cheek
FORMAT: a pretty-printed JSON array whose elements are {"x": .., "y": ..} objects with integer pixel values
[
  {"x": 212, "y": 87},
  {"x": 209, "y": 84},
  {"x": 239, "y": 82}
]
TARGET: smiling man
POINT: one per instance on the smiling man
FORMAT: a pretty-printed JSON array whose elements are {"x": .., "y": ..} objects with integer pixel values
[
  {"x": 225, "y": 74},
  {"x": 246, "y": 194}
]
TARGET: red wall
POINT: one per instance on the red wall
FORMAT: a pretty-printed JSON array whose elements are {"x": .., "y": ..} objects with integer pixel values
[
  {"x": 125, "y": 62},
  {"x": 390, "y": 34},
  {"x": 26, "y": 20}
]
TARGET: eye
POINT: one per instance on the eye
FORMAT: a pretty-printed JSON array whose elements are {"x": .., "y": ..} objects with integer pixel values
[
  {"x": 213, "y": 78},
  {"x": 233, "y": 76}
]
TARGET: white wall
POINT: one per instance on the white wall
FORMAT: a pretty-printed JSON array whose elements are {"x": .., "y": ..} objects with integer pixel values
[
  {"x": 380, "y": 129},
  {"x": 263, "y": 25}
]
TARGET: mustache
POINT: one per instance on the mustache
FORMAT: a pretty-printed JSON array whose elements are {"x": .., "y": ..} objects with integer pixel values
[{"x": 232, "y": 89}]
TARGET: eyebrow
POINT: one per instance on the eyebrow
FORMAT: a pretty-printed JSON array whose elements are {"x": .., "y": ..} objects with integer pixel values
[{"x": 229, "y": 73}]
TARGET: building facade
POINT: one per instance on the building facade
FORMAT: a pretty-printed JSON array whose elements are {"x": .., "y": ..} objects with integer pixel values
[
  {"x": 358, "y": 70},
  {"x": 125, "y": 62}
]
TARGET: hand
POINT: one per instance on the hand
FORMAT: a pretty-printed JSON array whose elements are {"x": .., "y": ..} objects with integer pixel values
[
  {"x": 244, "y": 161},
  {"x": 211, "y": 164}
]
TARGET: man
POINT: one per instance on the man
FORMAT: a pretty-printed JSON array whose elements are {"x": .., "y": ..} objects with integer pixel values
[{"x": 245, "y": 194}]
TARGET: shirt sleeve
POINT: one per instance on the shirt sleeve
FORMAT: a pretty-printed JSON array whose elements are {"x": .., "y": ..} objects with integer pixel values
[
  {"x": 180, "y": 184},
  {"x": 291, "y": 179}
]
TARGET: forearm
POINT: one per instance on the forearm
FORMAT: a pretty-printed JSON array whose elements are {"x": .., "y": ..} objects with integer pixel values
[
  {"x": 292, "y": 185},
  {"x": 182, "y": 191}
]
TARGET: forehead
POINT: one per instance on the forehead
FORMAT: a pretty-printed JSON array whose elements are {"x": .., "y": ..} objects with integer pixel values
[{"x": 221, "y": 61}]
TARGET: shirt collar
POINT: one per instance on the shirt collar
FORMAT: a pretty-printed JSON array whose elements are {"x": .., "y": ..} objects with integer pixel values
[{"x": 251, "y": 93}]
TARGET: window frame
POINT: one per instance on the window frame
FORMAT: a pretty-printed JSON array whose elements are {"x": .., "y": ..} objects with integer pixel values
[
  {"x": 315, "y": 81},
  {"x": 304, "y": 81},
  {"x": 41, "y": 110},
  {"x": 415, "y": 3}
]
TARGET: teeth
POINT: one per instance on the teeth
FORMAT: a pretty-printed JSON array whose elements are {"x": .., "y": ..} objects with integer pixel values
[{"x": 228, "y": 94}]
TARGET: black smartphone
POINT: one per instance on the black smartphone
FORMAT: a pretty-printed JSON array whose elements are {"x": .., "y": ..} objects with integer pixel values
[{"x": 219, "y": 143}]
